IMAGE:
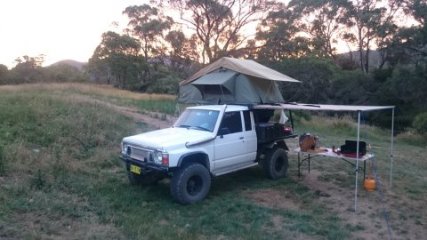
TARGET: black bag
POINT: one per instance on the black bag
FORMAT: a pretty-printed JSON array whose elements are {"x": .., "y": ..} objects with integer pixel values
[{"x": 350, "y": 147}]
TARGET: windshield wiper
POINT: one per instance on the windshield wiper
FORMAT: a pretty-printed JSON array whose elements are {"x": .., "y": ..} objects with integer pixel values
[
  {"x": 201, "y": 128},
  {"x": 193, "y": 127},
  {"x": 184, "y": 126}
]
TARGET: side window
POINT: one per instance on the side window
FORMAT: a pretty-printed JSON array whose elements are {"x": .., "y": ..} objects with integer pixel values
[
  {"x": 247, "y": 118},
  {"x": 231, "y": 123}
]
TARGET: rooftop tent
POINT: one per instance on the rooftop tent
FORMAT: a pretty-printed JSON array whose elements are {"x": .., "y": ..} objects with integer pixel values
[
  {"x": 235, "y": 81},
  {"x": 215, "y": 87}
]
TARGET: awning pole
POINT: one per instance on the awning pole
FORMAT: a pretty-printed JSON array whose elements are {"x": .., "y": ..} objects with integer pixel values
[
  {"x": 292, "y": 120},
  {"x": 391, "y": 148},
  {"x": 357, "y": 161}
]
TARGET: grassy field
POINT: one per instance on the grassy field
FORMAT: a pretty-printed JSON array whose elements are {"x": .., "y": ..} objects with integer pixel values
[{"x": 61, "y": 178}]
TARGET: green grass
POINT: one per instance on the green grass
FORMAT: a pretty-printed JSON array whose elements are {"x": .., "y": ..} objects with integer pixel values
[
  {"x": 149, "y": 212},
  {"x": 143, "y": 102},
  {"x": 60, "y": 177}
]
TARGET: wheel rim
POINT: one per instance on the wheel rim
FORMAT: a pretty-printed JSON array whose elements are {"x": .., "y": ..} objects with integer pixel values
[
  {"x": 194, "y": 185},
  {"x": 278, "y": 165}
]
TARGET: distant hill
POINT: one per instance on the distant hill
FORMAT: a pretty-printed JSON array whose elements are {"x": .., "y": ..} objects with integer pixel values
[
  {"x": 374, "y": 57},
  {"x": 76, "y": 64}
]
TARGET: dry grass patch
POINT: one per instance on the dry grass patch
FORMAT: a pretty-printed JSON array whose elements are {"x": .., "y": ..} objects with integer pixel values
[
  {"x": 86, "y": 88},
  {"x": 40, "y": 226},
  {"x": 273, "y": 198}
]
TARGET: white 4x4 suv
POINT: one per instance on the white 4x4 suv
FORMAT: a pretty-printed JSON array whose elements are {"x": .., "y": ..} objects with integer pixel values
[{"x": 206, "y": 141}]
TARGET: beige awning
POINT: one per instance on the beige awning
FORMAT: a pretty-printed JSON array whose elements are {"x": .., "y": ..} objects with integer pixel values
[{"x": 323, "y": 107}]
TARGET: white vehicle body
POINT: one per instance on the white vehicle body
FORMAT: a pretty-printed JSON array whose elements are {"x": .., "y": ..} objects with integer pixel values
[{"x": 219, "y": 139}]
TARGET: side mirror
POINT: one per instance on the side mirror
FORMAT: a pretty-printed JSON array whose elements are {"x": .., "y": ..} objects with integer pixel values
[{"x": 223, "y": 131}]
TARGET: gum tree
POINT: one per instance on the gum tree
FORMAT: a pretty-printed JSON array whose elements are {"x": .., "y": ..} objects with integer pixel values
[
  {"x": 323, "y": 21},
  {"x": 221, "y": 27},
  {"x": 371, "y": 24},
  {"x": 117, "y": 59},
  {"x": 149, "y": 25}
]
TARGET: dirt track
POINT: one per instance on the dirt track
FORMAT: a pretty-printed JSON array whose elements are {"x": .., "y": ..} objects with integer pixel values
[{"x": 151, "y": 118}]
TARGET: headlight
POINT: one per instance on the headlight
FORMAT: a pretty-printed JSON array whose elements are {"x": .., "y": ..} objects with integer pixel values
[
  {"x": 161, "y": 158},
  {"x": 157, "y": 157},
  {"x": 123, "y": 148},
  {"x": 126, "y": 149}
]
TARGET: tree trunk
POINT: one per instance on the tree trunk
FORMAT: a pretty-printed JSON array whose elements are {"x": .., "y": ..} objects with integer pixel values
[
  {"x": 208, "y": 52},
  {"x": 361, "y": 59},
  {"x": 361, "y": 49},
  {"x": 368, "y": 52},
  {"x": 383, "y": 54}
]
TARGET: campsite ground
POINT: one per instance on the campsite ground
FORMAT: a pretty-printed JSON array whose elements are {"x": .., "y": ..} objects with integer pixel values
[{"x": 60, "y": 178}]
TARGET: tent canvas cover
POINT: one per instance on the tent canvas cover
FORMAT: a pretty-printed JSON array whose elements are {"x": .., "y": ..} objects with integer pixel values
[{"x": 236, "y": 81}]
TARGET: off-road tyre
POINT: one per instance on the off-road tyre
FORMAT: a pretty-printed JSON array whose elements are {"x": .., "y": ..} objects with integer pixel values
[
  {"x": 190, "y": 184},
  {"x": 276, "y": 163}
]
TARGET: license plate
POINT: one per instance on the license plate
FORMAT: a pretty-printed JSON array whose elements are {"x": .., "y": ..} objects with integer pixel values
[{"x": 135, "y": 169}]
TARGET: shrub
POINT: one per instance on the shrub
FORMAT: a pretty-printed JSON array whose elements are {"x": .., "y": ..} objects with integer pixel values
[
  {"x": 420, "y": 123},
  {"x": 165, "y": 85}
]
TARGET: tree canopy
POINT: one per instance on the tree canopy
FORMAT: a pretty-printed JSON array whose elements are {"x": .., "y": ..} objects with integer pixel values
[
  {"x": 343, "y": 51},
  {"x": 219, "y": 25},
  {"x": 117, "y": 61},
  {"x": 149, "y": 25}
]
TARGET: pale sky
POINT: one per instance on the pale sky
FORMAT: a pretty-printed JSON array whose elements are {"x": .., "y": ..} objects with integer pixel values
[{"x": 60, "y": 29}]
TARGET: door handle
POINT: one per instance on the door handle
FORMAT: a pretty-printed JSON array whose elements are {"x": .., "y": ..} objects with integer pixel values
[{"x": 241, "y": 138}]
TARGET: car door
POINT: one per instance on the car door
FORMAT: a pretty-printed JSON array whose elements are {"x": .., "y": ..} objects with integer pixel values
[
  {"x": 249, "y": 136},
  {"x": 230, "y": 146}
]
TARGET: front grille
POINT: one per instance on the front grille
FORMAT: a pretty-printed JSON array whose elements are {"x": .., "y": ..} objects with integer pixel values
[{"x": 141, "y": 154}]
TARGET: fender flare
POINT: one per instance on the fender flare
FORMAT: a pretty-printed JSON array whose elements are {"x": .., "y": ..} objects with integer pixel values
[{"x": 205, "y": 160}]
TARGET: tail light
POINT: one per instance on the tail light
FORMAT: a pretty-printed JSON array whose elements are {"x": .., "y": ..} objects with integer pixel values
[{"x": 287, "y": 130}]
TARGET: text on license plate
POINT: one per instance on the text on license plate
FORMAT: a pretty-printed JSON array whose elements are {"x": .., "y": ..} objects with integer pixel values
[{"x": 135, "y": 169}]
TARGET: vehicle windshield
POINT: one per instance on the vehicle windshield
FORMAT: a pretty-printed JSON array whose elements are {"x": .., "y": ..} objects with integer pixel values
[{"x": 199, "y": 119}]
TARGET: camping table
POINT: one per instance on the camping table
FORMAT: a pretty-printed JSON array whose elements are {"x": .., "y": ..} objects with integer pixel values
[
  {"x": 307, "y": 156},
  {"x": 344, "y": 108}
]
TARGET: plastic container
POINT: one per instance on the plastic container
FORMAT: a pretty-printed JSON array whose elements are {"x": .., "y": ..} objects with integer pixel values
[{"x": 369, "y": 184}]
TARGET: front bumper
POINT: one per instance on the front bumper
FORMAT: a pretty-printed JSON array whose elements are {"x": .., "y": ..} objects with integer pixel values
[{"x": 145, "y": 166}]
